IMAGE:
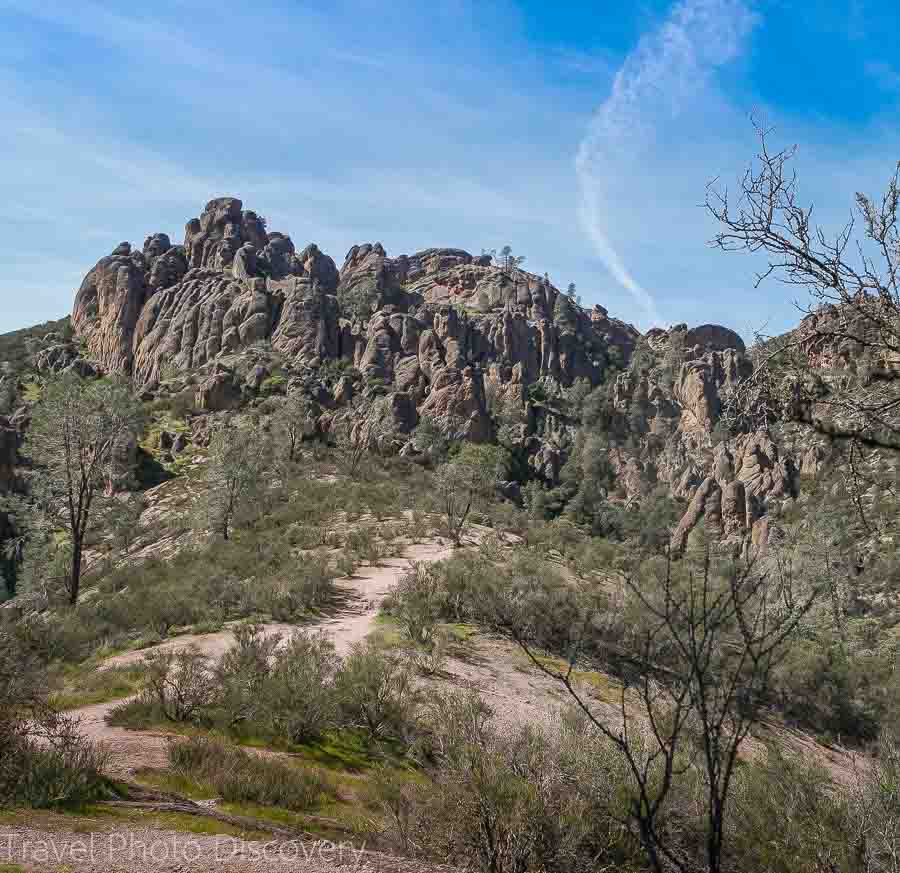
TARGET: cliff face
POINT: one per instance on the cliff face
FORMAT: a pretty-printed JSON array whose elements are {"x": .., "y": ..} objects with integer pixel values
[
  {"x": 418, "y": 322},
  {"x": 444, "y": 333}
]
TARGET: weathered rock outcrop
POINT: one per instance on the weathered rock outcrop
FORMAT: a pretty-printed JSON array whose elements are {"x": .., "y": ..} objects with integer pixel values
[
  {"x": 447, "y": 335},
  {"x": 218, "y": 392},
  {"x": 699, "y": 383},
  {"x": 434, "y": 326}
]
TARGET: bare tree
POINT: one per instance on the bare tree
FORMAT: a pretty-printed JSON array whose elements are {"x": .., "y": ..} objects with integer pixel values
[
  {"x": 76, "y": 440},
  {"x": 699, "y": 678},
  {"x": 872, "y": 811},
  {"x": 852, "y": 324},
  {"x": 44, "y": 760}
]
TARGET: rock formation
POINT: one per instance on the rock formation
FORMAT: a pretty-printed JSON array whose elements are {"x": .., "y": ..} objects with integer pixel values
[{"x": 446, "y": 334}]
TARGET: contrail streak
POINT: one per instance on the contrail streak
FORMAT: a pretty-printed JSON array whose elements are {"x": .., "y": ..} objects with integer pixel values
[{"x": 667, "y": 70}]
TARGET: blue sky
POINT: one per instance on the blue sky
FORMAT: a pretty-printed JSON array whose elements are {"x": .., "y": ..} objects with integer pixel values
[{"x": 582, "y": 133}]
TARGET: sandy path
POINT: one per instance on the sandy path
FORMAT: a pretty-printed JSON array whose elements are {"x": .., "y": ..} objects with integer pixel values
[
  {"x": 131, "y": 750},
  {"x": 367, "y": 589},
  {"x": 518, "y": 693}
]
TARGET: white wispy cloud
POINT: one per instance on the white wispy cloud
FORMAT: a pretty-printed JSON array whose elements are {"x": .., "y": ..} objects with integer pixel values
[
  {"x": 669, "y": 69},
  {"x": 321, "y": 118}
]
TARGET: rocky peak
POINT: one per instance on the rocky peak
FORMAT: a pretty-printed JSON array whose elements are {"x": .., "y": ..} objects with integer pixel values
[
  {"x": 440, "y": 331},
  {"x": 713, "y": 337},
  {"x": 213, "y": 239},
  {"x": 155, "y": 245}
]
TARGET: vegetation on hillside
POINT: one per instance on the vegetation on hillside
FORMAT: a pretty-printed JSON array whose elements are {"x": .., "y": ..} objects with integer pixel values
[{"x": 681, "y": 672}]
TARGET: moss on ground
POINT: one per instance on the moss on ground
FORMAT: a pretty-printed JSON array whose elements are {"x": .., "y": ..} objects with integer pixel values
[
  {"x": 601, "y": 686},
  {"x": 84, "y": 684}
]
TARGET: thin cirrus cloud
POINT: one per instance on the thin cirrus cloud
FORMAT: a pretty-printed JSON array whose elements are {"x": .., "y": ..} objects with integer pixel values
[
  {"x": 659, "y": 82},
  {"x": 417, "y": 124}
]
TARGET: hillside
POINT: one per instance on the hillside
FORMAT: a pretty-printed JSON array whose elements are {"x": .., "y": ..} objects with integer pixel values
[
  {"x": 489, "y": 351},
  {"x": 420, "y": 556}
]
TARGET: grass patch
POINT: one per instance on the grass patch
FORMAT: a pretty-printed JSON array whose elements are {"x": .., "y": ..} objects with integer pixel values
[
  {"x": 197, "y": 824},
  {"x": 602, "y": 687},
  {"x": 32, "y": 392},
  {"x": 141, "y": 713},
  {"x": 175, "y": 821},
  {"x": 174, "y": 783},
  {"x": 93, "y": 818},
  {"x": 460, "y": 633},
  {"x": 238, "y": 776},
  {"x": 98, "y": 686},
  {"x": 207, "y": 627},
  {"x": 388, "y": 634},
  {"x": 347, "y": 750},
  {"x": 273, "y": 814}
]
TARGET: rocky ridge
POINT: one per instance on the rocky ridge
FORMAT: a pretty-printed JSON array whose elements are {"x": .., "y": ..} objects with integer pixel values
[
  {"x": 444, "y": 334},
  {"x": 437, "y": 324}
]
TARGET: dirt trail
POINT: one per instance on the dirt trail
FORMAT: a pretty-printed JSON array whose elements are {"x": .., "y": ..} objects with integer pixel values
[
  {"x": 368, "y": 588},
  {"x": 517, "y": 692},
  {"x": 132, "y": 750}
]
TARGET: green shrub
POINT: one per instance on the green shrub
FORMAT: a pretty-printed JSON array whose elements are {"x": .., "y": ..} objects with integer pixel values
[
  {"x": 137, "y": 713},
  {"x": 274, "y": 384},
  {"x": 66, "y": 773},
  {"x": 179, "y": 689},
  {"x": 240, "y": 777},
  {"x": 363, "y": 542},
  {"x": 299, "y": 702},
  {"x": 44, "y": 760},
  {"x": 240, "y": 679},
  {"x": 376, "y": 693},
  {"x": 526, "y": 799},
  {"x": 417, "y": 602}
]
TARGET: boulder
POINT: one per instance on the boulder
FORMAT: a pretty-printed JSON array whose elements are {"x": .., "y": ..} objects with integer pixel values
[
  {"x": 179, "y": 444},
  {"x": 734, "y": 508},
  {"x": 764, "y": 473},
  {"x": 218, "y": 392},
  {"x": 111, "y": 298},
  {"x": 713, "y": 337},
  {"x": 699, "y": 385},
  {"x": 85, "y": 369},
  {"x": 707, "y": 498},
  {"x": 403, "y": 410},
  {"x": 257, "y": 376},
  {"x": 55, "y": 358}
]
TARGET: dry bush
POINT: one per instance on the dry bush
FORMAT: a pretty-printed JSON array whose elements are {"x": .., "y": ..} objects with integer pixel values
[
  {"x": 44, "y": 760},
  {"x": 298, "y": 698},
  {"x": 179, "y": 689},
  {"x": 376, "y": 693}
]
